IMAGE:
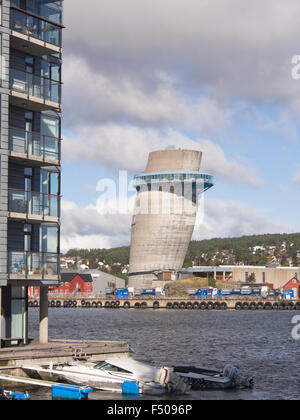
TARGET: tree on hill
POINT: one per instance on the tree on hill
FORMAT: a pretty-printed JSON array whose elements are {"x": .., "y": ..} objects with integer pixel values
[{"x": 252, "y": 278}]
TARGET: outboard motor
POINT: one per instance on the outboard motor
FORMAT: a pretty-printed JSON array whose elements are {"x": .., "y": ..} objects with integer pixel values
[
  {"x": 236, "y": 379},
  {"x": 230, "y": 372}
]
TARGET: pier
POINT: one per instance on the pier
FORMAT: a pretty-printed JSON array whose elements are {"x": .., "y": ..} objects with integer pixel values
[
  {"x": 174, "y": 303},
  {"x": 56, "y": 351}
]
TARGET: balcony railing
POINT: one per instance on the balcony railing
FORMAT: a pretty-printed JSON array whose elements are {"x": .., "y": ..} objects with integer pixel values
[
  {"x": 34, "y": 203},
  {"x": 22, "y": 263},
  {"x": 35, "y": 86},
  {"x": 34, "y": 144},
  {"x": 35, "y": 27}
]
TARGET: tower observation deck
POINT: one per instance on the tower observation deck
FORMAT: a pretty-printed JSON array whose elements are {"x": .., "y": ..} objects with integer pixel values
[{"x": 165, "y": 214}]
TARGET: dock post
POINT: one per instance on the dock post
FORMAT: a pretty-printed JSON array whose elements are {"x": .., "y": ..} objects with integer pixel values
[{"x": 44, "y": 315}]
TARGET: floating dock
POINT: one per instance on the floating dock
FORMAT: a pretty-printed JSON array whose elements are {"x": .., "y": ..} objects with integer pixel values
[
  {"x": 58, "y": 351},
  {"x": 55, "y": 352}
]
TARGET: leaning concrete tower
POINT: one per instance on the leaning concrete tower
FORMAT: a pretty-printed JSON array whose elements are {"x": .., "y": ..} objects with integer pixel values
[{"x": 164, "y": 215}]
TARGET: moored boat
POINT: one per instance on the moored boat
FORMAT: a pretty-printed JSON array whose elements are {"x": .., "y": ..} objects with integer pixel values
[{"x": 111, "y": 374}]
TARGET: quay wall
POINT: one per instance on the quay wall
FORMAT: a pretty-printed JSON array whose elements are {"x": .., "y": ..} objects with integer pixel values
[{"x": 241, "y": 303}]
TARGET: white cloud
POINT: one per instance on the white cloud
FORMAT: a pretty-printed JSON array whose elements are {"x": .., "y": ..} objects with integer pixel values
[
  {"x": 296, "y": 177},
  {"x": 234, "y": 219},
  {"x": 85, "y": 227},
  {"x": 127, "y": 147},
  {"x": 100, "y": 97},
  {"x": 238, "y": 50}
]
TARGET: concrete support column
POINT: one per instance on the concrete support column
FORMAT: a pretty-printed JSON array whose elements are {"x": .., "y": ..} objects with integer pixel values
[
  {"x": 2, "y": 321},
  {"x": 44, "y": 339}
]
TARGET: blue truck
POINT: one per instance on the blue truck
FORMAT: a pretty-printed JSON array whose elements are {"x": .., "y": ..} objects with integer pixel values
[{"x": 122, "y": 294}]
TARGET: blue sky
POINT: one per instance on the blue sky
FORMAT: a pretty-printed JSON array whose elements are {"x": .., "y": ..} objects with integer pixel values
[{"x": 216, "y": 77}]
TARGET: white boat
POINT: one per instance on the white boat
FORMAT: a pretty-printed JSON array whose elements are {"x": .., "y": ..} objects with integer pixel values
[{"x": 110, "y": 375}]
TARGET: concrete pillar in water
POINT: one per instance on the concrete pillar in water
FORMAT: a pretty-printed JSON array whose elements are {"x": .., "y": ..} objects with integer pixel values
[
  {"x": 44, "y": 339},
  {"x": 2, "y": 320}
]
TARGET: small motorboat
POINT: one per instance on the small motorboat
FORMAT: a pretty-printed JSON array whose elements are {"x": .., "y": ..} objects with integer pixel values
[
  {"x": 111, "y": 374},
  {"x": 201, "y": 378}
]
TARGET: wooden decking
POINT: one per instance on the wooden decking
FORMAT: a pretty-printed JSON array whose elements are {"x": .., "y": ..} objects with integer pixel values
[{"x": 59, "y": 351}]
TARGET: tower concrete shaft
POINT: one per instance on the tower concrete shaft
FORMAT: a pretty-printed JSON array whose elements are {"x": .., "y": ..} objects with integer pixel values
[{"x": 164, "y": 215}]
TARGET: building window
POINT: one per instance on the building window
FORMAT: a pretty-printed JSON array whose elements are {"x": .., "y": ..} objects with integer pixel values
[{"x": 194, "y": 192}]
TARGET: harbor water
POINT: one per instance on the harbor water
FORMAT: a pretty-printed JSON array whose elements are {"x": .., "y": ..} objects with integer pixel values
[{"x": 259, "y": 343}]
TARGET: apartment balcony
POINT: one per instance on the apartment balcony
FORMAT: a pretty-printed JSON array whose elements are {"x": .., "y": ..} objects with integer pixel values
[
  {"x": 24, "y": 265},
  {"x": 33, "y": 34},
  {"x": 32, "y": 92},
  {"x": 37, "y": 148},
  {"x": 34, "y": 207}
]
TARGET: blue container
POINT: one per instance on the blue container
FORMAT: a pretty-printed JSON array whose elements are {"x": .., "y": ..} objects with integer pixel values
[
  {"x": 122, "y": 294},
  {"x": 288, "y": 293},
  {"x": 129, "y": 387},
  {"x": 19, "y": 396},
  {"x": 70, "y": 392}
]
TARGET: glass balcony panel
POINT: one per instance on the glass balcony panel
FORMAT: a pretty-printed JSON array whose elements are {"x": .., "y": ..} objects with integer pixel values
[
  {"x": 17, "y": 141},
  {"x": 17, "y": 263},
  {"x": 35, "y": 204},
  {"x": 50, "y": 264},
  {"x": 48, "y": 9},
  {"x": 29, "y": 202},
  {"x": 17, "y": 201},
  {"x": 18, "y": 81},
  {"x": 35, "y": 144},
  {"x": 51, "y": 148},
  {"x": 52, "y": 34},
  {"x": 35, "y": 28},
  {"x": 33, "y": 263},
  {"x": 36, "y": 86},
  {"x": 53, "y": 206}
]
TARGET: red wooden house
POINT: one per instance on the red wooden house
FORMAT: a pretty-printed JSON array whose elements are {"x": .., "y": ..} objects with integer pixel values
[
  {"x": 293, "y": 284},
  {"x": 71, "y": 283}
]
